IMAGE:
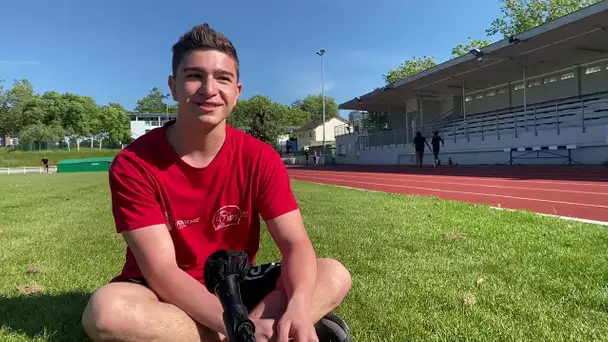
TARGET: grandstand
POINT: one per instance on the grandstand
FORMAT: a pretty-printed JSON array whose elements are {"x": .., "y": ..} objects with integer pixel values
[{"x": 540, "y": 97}]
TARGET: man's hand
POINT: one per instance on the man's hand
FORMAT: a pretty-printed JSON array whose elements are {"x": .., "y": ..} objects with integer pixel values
[
  {"x": 264, "y": 329},
  {"x": 296, "y": 324}
]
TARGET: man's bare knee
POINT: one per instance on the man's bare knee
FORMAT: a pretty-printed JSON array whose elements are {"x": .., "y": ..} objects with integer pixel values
[
  {"x": 336, "y": 277},
  {"x": 112, "y": 310},
  {"x": 127, "y": 312}
]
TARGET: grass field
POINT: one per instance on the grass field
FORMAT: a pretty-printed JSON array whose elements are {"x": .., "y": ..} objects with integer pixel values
[
  {"x": 423, "y": 268},
  {"x": 13, "y": 158}
]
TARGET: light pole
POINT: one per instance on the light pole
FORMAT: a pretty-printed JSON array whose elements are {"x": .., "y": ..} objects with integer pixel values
[{"x": 321, "y": 53}]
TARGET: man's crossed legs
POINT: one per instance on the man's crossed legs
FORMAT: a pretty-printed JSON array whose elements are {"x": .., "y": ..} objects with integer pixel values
[{"x": 129, "y": 311}]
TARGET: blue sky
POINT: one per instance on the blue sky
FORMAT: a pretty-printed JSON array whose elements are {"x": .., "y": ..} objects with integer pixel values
[{"x": 117, "y": 50}]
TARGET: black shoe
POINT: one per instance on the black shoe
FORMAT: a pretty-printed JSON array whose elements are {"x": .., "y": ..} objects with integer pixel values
[{"x": 332, "y": 328}]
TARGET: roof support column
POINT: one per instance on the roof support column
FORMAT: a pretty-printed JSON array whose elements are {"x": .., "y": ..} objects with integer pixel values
[
  {"x": 464, "y": 112},
  {"x": 579, "y": 80},
  {"x": 525, "y": 101},
  {"x": 420, "y": 111},
  {"x": 407, "y": 127}
]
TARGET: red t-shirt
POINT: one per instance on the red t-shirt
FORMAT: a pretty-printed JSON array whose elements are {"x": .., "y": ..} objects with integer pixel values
[{"x": 206, "y": 209}]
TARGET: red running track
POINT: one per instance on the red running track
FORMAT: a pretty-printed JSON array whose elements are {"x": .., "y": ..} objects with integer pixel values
[{"x": 572, "y": 191}]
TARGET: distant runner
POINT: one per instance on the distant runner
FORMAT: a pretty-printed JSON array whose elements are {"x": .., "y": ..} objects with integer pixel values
[
  {"x": 435, "y": 142},
  {"x": 45, "y": 164},
  {"x": 419, "y": 142}
]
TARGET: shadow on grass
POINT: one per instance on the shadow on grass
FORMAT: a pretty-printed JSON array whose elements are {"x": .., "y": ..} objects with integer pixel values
[{"x": 54, "y": 317}]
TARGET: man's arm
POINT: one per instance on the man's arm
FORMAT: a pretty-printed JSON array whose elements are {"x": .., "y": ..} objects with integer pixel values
[
  {"x": 279, "y": 209},
  {"x": 153, "y": 249},
  {"x": 139, "y": 219},
  {"x": 299, "y": 269}
]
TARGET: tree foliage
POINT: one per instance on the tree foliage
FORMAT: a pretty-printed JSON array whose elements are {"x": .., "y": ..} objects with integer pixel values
[
  {"x": 51, "y": 117},
  {"x": 409, "y": 68},
  {"x": 522, "y": 15},
  {"x": 13, "y": 103},
  {"x": 112, "y": 122},
  {"x": 154, "y": 102},
  {"x": 267, "y": 120},
  {"x": 313, "y": 105},
  {"x": 261, "y": 117}
]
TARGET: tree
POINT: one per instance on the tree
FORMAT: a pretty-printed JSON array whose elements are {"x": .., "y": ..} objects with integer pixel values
[
  {"x": 463, "y": 49},
  {"x": 261, "y": 117},
  {"x": 376, "y": 121},
  {"x": 522, "y": 15},
  {"x": 409, "y": 68},
  {"x": 78, "y": 115},
  {"x": 33, "y": 112},
  {"x": 240, "y": 115},
  {"x": 313, "y": 105},
  {"x": 154, "y": 103},
  {"x": 297, "y": 117},
  {"x": 112, "y": 123},
  {"x": 39, "y": 133},
  {"x": 13, "y": 103},
  {"x": 54, "y": 108}
]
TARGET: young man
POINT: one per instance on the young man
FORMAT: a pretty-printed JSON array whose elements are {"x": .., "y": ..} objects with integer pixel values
[
  {"x": 435, "y": 143},
  {"x": 418, "y": 143},
  {"x": 197, "y": 185}
]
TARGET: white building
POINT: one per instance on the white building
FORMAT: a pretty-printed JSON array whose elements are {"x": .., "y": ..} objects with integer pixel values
[
  {"x": 142, "y": 123},
  {"x": 311, "y": 134},
  {"x": 540, "y": 97}
]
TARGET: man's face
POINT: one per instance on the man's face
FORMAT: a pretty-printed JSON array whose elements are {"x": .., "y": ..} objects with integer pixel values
[{"x": 205, "y": 86}]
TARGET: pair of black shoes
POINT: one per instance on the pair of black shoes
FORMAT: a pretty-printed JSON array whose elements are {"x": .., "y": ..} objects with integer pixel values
[{"x": 332, "y": 328}]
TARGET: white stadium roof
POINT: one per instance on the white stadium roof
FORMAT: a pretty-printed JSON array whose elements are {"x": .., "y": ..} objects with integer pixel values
[{"x": 577, "y": 38}]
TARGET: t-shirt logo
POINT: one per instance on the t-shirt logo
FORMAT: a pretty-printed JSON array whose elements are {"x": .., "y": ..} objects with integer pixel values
[
  {"x": 179, "y": 224},
  {"x": 228, "y": 215}
]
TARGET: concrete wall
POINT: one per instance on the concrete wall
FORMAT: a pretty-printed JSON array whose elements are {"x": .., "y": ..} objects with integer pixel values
[{"x": 490, "y": 149}]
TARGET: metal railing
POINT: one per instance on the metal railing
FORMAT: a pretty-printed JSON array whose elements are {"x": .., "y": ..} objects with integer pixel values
[{"x": 557, "y": 115}]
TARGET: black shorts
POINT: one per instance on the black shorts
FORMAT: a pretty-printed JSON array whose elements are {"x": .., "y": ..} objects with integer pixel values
[{"x": 260, "y": 281}]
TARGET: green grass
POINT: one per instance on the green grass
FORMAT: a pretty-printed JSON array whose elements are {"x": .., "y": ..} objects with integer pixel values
[
  {"x": 16, "y": 158},
  {"x": 423, "y": 268}
]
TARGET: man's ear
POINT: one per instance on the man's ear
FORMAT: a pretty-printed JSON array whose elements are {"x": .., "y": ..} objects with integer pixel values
[
  {"x": 239, "y": 88},
  {"x": 171, "y": 83}
]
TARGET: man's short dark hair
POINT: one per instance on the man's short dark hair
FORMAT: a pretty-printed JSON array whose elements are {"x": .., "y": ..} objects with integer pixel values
[{"x": 203, "y": 37}]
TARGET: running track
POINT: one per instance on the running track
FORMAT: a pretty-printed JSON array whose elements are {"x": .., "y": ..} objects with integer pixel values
[{"x": 572, "y": 191}]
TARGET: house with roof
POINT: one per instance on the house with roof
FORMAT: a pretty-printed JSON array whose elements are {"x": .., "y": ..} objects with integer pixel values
[{"x": 311, "y": 134}]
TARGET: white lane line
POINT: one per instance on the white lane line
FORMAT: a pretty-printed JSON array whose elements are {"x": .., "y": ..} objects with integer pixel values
[{"x": 567, "y": 218}]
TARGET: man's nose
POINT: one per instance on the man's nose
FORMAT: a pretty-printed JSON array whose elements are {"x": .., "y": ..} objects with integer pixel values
[{"x": 208, "y": 86}]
